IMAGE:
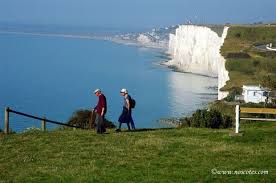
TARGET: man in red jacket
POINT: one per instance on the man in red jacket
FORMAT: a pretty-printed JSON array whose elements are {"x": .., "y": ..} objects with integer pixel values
[{"x": 100, "y": 110}]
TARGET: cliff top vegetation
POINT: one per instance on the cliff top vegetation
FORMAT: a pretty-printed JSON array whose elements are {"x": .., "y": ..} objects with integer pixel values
[{"x": 246, "y": 61}]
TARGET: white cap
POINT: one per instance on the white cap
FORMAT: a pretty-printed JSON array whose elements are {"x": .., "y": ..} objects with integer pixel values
[
  {"x": 97, "y": 90},
  {"x": 123, "y": 90}
]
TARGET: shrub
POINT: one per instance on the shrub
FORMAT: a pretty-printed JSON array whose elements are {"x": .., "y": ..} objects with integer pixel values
[
  {"x": 238, "y": 55},
  {"x": 81, "y": 118},
  {"x": 268, "y": 54},
  {"x": 185, "y": 122},
  {"x": 238, "y": 35},
  {"x": 232, "y": 93},
  {"x": 256, "y": 63},
  {"x": 268, "y": 81},
  {"x": 207, "y": 119}
]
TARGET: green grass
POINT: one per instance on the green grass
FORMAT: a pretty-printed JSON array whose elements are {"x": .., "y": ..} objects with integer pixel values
[
  {"x": 168, "y": 155},
  {"x": 260, "y": 68}
]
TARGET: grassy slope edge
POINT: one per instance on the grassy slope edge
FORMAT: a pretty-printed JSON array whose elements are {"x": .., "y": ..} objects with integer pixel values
[{"x": 168, "y": 155}]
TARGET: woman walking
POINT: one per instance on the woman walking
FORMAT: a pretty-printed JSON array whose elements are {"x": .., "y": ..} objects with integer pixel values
[{"x": 126, "y": 116}]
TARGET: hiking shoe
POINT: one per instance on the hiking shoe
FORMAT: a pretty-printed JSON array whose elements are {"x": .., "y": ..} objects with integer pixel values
[{"x": 117, "y": 130}]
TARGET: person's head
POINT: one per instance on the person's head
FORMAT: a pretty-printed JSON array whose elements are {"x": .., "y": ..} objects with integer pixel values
[
  {"x": 123, "y": 92},
  {"x": 97, "y": 92}
]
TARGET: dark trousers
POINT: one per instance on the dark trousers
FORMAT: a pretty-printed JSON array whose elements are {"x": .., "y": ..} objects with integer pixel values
[{"x": 99, "y": 122}]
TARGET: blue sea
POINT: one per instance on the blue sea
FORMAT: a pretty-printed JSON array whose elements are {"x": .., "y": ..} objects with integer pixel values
[{"x": 55, "y": 76}]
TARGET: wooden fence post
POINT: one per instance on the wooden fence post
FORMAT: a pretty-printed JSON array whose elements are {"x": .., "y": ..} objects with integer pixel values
[
  {"x": 237, "y": 118},
  {"x": 7, "y": 129},
  {"x": 43, "y": 124}
]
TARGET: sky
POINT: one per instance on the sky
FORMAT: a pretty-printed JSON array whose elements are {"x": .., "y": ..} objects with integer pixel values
[{"x": 135, "y": 13}]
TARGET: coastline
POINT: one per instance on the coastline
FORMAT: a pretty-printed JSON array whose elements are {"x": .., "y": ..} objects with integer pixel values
[
  {"x": 88, "y": 37},
  {"x": 177, "y": 69}
]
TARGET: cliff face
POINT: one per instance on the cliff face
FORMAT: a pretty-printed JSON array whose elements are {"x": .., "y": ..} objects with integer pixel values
[
  {"x": 196, "y": 49},
  {"x": 223, "y": 76}
]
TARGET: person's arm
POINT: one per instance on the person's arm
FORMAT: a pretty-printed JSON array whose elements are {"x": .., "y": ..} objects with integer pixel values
[
  {"x": 103, "y": 104},
  {"x": 128, "y": 104},
  {"x": 102, "y": 111}
]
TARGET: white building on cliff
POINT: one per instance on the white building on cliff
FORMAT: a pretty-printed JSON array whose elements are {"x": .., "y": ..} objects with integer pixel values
[{"x": 255, "y": 94}]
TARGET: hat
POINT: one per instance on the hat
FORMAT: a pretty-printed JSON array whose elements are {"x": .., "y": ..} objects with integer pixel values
[
  {"x": 97, "y": 90},
  {"x": 123, "y": 90}
]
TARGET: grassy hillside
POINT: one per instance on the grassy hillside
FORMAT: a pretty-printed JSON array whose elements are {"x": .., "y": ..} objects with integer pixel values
[
  {"x": 168, "y": 155},
  {"x": 247, "y": 64}
]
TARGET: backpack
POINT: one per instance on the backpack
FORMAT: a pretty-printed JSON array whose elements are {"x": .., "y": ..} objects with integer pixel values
[{"x": 132, "y": 102}]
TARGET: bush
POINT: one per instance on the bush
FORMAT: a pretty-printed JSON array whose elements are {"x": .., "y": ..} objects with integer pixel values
[
  {"x": 268, "y": 81},
  {"x": 81, "y": 118},
  {"x": 207, "y": 119},
  {"x": 238, "y": 35},
  {"x": 232, "y": 93},
  {"x": 269, "y": 54},
  {"x": 256, "y": 63},
  {"x": 238, "y": 55}
]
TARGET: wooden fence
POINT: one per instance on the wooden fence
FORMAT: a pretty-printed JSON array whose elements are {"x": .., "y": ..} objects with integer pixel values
[
  {"x": 252, "y": 111},
  {"x": 42, "y": 119}
]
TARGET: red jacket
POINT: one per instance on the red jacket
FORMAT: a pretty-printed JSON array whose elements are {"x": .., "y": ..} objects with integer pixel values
[{"x": 101, "y": 104}]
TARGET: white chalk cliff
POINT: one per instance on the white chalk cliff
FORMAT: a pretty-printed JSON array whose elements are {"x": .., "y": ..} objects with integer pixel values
[{"x": 196, "y": 49}]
